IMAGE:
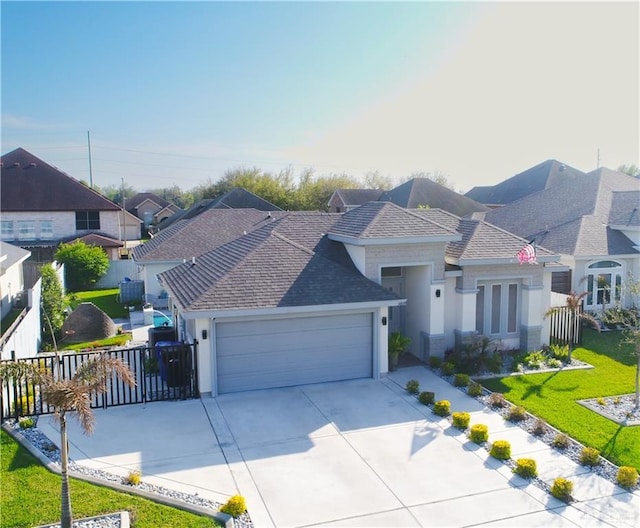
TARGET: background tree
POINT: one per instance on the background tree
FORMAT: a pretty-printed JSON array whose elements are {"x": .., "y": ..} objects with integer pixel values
[
  {"x": 630, "y": 169},
  {"x": 313, "y": 192},
  {"x": 115, "y": 192},
  {"x": 73, "y": 395},
  {"x": 83, "y": 264},
  {"x": 576, "y": 317},
  {"x": 52, "y": 304},
  {"x": 629, "y": 319}
]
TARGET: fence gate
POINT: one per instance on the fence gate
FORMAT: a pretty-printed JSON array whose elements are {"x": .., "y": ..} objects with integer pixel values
[
  {"x": 566, "y": 326},
  {"x": 162, "y": 373}
]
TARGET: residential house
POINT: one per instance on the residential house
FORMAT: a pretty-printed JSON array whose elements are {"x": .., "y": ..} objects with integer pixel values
[
  {"x": 12, "y": 284},
  {"x": 150, "y": 208},
  {"x": 412, "y": 194},
  {"x": 591, "y": 220},
  {"x": 236, "y": 198},
  {"x": 302, "y": 297},
  {"x": 43, "y": 207}
]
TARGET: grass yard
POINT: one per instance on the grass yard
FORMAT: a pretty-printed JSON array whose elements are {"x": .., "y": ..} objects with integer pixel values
[
  {"x": 103, "y": 299},
  {"x": 552, "y": 396},
  {"x": 31, "y": 496}
]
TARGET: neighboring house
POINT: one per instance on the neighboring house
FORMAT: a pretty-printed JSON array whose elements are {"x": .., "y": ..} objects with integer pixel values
[
  {"x": 11, "y": 277},
  {"x": 302, "y": 297},
  {"x": 538, "y": 178},
  {"x": 43, "y": 207},
  {"x": 412, "y": 194},
  {"x": 237, "y": 198},
  {"x": 344, "y": 200},
  {"x": 592, "y": 221},
  {"x": 150, "y": 208}
]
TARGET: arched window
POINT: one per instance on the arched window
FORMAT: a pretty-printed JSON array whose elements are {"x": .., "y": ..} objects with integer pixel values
[{"x": 604, "y": 284}]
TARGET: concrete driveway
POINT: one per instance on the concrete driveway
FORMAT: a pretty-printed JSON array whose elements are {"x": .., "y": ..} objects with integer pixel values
[{"x": 356, "y": 453}]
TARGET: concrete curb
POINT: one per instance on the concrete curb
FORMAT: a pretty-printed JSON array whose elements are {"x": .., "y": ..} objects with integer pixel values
[{"x": 226, "y": 520}]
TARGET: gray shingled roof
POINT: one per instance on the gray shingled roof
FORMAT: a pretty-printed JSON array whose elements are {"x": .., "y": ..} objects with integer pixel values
[
  {"x": 134, "y": 202},
  {"x": 13, "y": 255},
  {"x": 571, "y": 217},
  {"x": 538, "y": 178},
  {"x": 265, "y": 269},
  {"x": 625, "y": 209},
  {"x": 425, "y": 192},
  {"x": 29, "y": 184},
  {"x": 351, "y": 197},
  {"x": 385, "y": 220},
  {"x": 481, "y": 241}
]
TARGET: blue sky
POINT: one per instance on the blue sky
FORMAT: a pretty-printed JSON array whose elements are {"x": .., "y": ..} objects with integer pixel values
[{"x": 179, "y": 92}]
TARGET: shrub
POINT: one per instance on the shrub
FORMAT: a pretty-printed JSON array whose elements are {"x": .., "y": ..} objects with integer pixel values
[
  {"x": 413, "y": 386},
  {"x": 562, "y": 489},
  {"x": 539, "y": 427},
  {"x": 461, "y": 420},
  {"x": 133, "y": 478},
  {"x": 526, "y": 468},
  {"x": 554, "y": 363},
  {"x": 479, "y": 433},
  {"x": 561, "y": 441},
  {"x": 501, "y": 449},
  {"x": 627, "y": 477},
  {"x": 474, "y": 389},
  {"x": 83, "y": 264},
  {"x": 559, "y": 352},
  {"x": 497, "y": 400},
  {"x": 601, "y": 401},
  {"x": 516, "y": 414},
  {"x": 535, "y": 359},
  {"x": 235, "y": 506},
  {"x": 589, "y": 456},
  {"x": 427, "y": 397},
  {"x": 461, "y": 380},
  {"x": 26, "y": 423},
  {"x": 435, "y": 362},
  {"x": 442, "y": 408},
  {"x": 448, "y": 369}
]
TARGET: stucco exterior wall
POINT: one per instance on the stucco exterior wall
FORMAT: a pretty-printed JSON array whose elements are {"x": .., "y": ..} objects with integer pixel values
[
  {"x": 378, "y": 257},
  {"x": 11, "y": 282}
]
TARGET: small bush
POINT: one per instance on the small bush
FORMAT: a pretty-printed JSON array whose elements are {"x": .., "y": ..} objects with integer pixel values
[
  {"x": 535, "y": 359},
  {"x": 442, "y": 408},
  {"x": 559, "y": 352},
  {"x": 435, "y": 362},
  {"x": 561, "y": 441},
  {"x": 562, "y": 489},
  {"x": 461, "y": 420},
  {"x": 589, "y": 456},
  {"x": 235, "y": 506},
  {"x": 526, "y": 468},
  {"x": 427, "y": 397},
  {"x": 474, "y": 389},
  {"x": 26, "y": 422},
  {"x": 516, "y": 414},
  {"x": 479, "y": 433},
  {"x": 539, "y": 428},
  {"x": 627, "y": 477},
  {"x": 413, "y": 386},
  {"x": 497, "y": 400},
  {"x": 448, "y": 369},
  {"x": 554, "y": 363},
  {"x": 461, "y": 380},
  {"x": 601, "y": 401},
  {"x": 501, "y": 449},
  {"x": 133, "y": 478}
]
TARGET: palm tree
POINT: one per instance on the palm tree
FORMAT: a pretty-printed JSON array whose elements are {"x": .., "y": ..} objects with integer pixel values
[
  {"x": 71, "y": 395},
  {"x": 576, "y": 315}
]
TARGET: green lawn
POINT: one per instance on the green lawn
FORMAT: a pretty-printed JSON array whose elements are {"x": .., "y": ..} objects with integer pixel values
[
  {"x": 552, "y": 397},
  {"x": 31, "y": 496},
  {"x": 103, "y": 299}
]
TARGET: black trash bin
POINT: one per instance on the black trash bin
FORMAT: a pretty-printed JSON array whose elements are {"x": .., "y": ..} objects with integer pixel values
[
  {"x": 173, "y": 359},
  {"x": 161, "y": 333}
]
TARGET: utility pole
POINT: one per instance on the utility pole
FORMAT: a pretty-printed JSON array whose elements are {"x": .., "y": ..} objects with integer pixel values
[
  {"x": 90, "y": 167},
  {"x": 598, "y": 160},
  {"x": 124, "y": 221}
]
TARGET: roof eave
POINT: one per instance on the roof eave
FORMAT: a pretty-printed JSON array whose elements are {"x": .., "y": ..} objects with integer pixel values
[
  {"x": 500, "y": 261},
  {"x": 393, "y": 241}
]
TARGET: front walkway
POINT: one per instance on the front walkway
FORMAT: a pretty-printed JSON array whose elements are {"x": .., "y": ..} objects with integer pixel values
[{"x": 355, "y": 453}]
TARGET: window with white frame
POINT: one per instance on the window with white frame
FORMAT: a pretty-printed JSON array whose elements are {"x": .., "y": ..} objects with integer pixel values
[
  {"x": 497, "y": 311},
  {"x": 26, "y": 230},
  {"x": 46, "y": 229},
  {"x": 7, "y": 229},
  {"x": 604, "y": 284}
]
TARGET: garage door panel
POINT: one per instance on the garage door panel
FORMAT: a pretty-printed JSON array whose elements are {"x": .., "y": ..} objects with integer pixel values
[{"x": 280, "y": 353}]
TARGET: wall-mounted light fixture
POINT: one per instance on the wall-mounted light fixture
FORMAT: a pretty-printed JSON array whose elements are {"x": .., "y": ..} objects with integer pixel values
[
  {"x": 384, "y": 321},
  {"x": 204, "y": 334},
  {"x": 438, "y": 293}
]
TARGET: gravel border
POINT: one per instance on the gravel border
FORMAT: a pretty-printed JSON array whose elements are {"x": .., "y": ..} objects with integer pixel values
[{"x": 49, "y": 454}]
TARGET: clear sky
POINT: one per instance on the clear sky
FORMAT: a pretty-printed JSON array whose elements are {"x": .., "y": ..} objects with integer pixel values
[{"x": 180, "y": 92}]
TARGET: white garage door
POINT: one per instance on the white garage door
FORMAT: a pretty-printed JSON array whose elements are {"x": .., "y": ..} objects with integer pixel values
[{"x": 285, "y": 352}]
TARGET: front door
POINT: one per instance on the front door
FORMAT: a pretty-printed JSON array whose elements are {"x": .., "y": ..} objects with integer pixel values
[{"x": 396, "y": 313}]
